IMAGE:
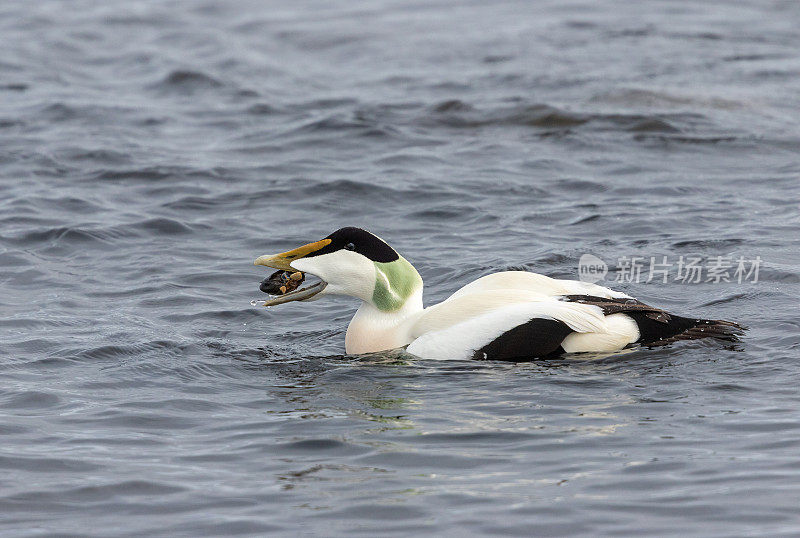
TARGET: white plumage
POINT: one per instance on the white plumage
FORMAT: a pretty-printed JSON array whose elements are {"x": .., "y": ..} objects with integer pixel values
[{"x": 483, "y": 310}]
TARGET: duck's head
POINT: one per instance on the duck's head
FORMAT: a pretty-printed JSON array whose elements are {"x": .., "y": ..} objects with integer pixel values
[{"x": 350, "y": 261}]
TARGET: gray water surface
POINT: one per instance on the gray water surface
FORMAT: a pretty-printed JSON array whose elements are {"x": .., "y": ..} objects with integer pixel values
[{"x": 149, "y": 151}]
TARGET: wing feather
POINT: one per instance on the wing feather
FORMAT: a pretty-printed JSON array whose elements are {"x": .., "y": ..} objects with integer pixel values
[
  {"x": 536, "y": 283},
  {"x": 467, "y": 332}
]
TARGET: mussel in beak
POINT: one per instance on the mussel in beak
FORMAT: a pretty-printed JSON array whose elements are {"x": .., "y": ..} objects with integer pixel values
[{"x": 282, "y": 282}]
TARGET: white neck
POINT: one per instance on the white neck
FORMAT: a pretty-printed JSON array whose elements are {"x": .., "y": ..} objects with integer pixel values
[{"x": 373, "y": 330}]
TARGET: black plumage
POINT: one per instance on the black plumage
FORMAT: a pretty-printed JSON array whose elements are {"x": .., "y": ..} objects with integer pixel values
[
  {"x": 358, "y": 240},
  {"x": 536, "y": 339}
]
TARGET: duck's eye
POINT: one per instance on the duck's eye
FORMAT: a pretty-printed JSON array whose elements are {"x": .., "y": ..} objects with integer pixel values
[{"x": 349, "y": 246}]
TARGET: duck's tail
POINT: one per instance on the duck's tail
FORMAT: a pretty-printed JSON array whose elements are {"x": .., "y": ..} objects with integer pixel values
[
  {"x": 680, "y": 328},
  {"x": 658, "y": 327}
]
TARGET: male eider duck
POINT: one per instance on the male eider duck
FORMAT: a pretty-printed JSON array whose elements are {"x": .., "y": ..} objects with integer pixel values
[{"x": 510, "y": 316}]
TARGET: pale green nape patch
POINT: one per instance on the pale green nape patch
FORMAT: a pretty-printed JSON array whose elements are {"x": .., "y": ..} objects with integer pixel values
[{"x": 394, "y": 283}]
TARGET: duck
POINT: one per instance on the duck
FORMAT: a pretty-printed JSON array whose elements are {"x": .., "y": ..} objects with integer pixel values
[{"x": 505, "y": 316}]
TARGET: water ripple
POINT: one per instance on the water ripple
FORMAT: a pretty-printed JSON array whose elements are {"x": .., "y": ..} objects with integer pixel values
[{"x": 150, "y": 151}]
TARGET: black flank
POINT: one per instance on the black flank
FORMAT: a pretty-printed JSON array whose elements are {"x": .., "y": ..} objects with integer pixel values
[{"x": 536, "y": 339}]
